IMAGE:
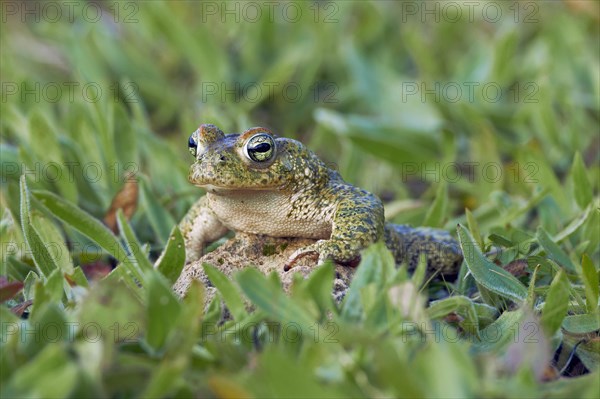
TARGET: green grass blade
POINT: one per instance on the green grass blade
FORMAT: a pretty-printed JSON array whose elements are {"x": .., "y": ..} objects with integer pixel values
[
  {"x": 462, "y": 305},
  {"x": 501, "y": 332},
  {"x": 272, "y": 299},
  {"x": 590, "y": 281},
  {"x": 319, "y": 285},
  {"x": 230, "y": 294},
  {"x": 120, "y": 274},
  {"x": 79, "y": 278},
  {"x": 44, "y": 262},
  {"x": 582, "y": 189},
  {"x": 88, "y": 226},
  {"x": 160, "y": 220},
  {"x": 172, "y": 260},
  {"x": 473, "y": 227},
  {"x": 553, "y": 251},
  {"x": 132, "y": 242},
  {"x": 582, "y": 323},
  {"x": 488, "y": 274},
  {"x": 45, "y": 144},
  {"x": 54, "y": 241},
  {"x": 437, "y": 212},
  {"x": 372, "y": 269},
  {"x": 168, "y": 375},
  {"x": 575, "y": 224},
  {"x": 53, "y": 371},
  {"x": 162, "y": 311},
  {"x": 556, "y": 305}
]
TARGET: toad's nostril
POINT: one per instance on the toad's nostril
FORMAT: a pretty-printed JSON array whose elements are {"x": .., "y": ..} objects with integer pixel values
[{"x": 222, "y": 158}]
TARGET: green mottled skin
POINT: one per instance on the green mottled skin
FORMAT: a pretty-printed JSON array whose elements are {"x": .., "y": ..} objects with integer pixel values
[{"x": 294, "y": 194}]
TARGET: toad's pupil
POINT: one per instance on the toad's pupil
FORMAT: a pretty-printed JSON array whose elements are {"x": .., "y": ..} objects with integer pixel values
[{"x": 262, "y": 147}]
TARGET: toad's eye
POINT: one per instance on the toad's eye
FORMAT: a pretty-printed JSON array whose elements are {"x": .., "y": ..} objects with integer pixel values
[
  {"x": 260, "y": 148},
  {"x": 193, "y": 144}
]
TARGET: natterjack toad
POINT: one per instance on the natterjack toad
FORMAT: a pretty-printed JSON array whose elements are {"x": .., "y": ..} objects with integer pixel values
[{"x": 259, "y": 183}]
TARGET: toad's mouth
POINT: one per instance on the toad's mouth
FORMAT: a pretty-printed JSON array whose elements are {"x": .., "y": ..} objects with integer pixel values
[
  {"x": 225, "y": 190},
  {"x": 211, "y": 188}
]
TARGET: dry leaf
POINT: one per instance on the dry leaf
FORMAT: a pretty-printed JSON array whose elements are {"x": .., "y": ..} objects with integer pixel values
[
  {"x": 20, "y": 308},
  {"x": 9, "y": 289},
  {"x": 126, "y": 199},
  {"x": 517, "y": 267},
  {"x": 97, "y": 270}
]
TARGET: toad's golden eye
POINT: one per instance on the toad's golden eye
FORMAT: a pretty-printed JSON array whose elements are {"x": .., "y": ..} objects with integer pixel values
[{"x": 260, "y": 148}]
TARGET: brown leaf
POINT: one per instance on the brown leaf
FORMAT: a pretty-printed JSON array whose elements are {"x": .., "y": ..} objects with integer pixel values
[
  {"x": 71, "y": 282},
  {"x": 95, "y": 271},
  {"x": 453, "y": 318},
  {"x": 9, "y": 289},
  {"x": 592, "y": 8},
  {"x": 20, "y": 308},
  {"x": 125, "y": 199},
  {"x": 550, "y": 374},
  {"x": 517, "y": 267}
]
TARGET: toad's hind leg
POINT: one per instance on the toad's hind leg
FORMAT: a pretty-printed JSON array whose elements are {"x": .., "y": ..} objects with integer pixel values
[{"x": 440, "y": 248}]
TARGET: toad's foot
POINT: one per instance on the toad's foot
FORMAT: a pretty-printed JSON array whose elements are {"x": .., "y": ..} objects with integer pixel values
[{"x": 323, "y": 250}]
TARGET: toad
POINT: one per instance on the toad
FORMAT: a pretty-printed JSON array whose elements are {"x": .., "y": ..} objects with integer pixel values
[{"x": 259, "y": 183}]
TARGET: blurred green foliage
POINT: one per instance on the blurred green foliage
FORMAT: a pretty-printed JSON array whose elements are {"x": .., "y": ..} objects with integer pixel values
[{"x": 495, "y": 111}]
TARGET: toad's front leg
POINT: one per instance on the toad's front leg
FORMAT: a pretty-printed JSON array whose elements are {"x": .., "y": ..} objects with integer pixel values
[
  {"x": 357, "y": 223},
  {"x": 199, "y": 227}
]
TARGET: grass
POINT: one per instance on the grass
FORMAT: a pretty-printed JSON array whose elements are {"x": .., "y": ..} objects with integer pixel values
[{"x": 489, "y": 124}]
